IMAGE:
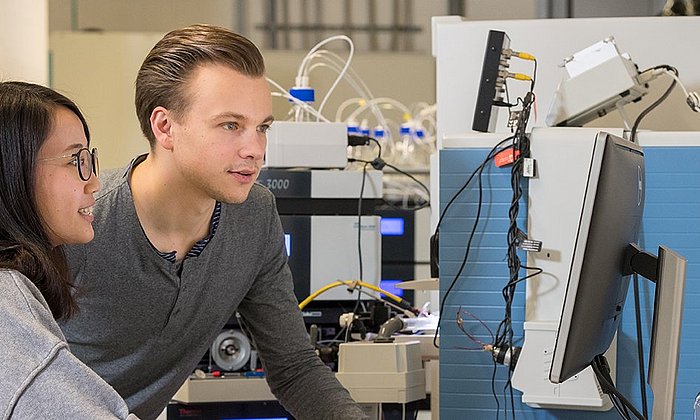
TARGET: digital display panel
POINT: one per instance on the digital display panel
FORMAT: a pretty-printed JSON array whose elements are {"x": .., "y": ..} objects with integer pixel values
[
  {"x": 391, "y": 226},
  {"x": 390, "y": 286}
]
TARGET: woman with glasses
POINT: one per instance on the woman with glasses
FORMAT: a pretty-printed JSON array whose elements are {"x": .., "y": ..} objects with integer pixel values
[{"x": 47, "y": 179}]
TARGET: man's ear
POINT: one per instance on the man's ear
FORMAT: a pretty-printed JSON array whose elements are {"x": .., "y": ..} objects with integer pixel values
[{"x": 161, "y": 125}]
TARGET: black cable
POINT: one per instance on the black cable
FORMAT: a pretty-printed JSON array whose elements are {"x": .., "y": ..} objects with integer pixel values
[
  {"x": 618, "y": 407},
  {"x": 493, "y": 389},
  {"x": 505, "y": 88},
  {"x": 379, "y": 164},
  {"x": 478, "y": 170},
  {"x": 599, "y": 365},
  {"x": 624, "y": 409},
  {"x": 640, "y": 350},
  {"x": 395, "y": 207},
  {"x": 379, "y": 152},
  {"x": 534, "y": 76},
  {"x": 635, "y": 126},
  {"x": 490, "y": 156},
  {"x": 410, "y": 176},
  {"x": 359, "y": 234},
  {"x": 464, "y": 260},
  {"x": 357, "y": 140},
  {"x": 505, "y": 405}
]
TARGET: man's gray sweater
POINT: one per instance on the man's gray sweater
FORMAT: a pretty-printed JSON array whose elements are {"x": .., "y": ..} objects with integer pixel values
[{"x": 144, "y": 322}]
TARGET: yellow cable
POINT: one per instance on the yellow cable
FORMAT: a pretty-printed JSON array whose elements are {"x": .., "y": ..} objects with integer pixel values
[
  {"x": 508, "y": 53},
  {"x": 520, "y": 76},
  {"x": 318, "y": 292},
  {"x": 525, "y": 56},
  {"x": 354, "y": 284},
  {"x": 382, "y": 291}
]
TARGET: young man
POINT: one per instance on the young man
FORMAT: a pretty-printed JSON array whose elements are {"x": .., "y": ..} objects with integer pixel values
[{"x": 184, "y": 237}]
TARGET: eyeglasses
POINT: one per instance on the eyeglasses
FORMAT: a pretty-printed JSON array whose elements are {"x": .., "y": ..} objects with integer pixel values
[{"x": 84, "y": 160}]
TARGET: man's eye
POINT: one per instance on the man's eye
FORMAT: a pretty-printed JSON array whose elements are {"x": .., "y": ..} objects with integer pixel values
[
  {"x": 74, "y": 161},
  {"x": 264, "y": 128},
  {"x": 230, "y": 126}
]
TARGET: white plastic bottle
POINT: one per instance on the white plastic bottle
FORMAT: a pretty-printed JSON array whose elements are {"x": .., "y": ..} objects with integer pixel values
[
  {"x": 405, "y": 146},
  {"x": 387, "y": 148},
  {"x": 364, "y": 128},
  {"x": 305, "y": 95},
  {"x": 421, "y": 153}
]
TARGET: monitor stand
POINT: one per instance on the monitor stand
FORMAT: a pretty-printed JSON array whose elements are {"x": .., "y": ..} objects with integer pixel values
[{"x": 668, "y": 271}]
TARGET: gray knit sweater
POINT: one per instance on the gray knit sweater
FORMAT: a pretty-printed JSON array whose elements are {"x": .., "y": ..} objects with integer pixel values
[
  {"x": 39, "y": 377},
  {"x": 144, "y": 322}
]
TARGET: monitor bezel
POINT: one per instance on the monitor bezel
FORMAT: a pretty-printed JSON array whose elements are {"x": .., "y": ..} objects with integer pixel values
[{"x": 561, "y": 369}]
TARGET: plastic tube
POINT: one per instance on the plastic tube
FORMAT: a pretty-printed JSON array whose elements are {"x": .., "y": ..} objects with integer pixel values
[{"x": 421, "y": 323}]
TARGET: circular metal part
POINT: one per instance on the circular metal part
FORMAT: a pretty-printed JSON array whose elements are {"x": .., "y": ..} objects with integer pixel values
[{"x": 231, "y": 350}]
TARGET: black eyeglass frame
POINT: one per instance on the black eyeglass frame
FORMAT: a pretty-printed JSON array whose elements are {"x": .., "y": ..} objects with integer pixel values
[{"x": 93, "y": 162}]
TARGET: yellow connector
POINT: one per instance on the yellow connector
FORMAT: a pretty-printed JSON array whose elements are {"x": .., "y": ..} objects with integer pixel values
[
  {"x": 520, "y": 76},
  {"x": 503, "y": 74},
  {"x": 524, "y": 55},
  {"x": 508, "y": 53}
]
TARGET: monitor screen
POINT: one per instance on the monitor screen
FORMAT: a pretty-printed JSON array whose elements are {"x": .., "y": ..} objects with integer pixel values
[
  {"x": 610, "y": 217},
  {"x": 390, "y": 286},
  {"x": 288, "y": 243},
  {"x": 391, "y": 226}
]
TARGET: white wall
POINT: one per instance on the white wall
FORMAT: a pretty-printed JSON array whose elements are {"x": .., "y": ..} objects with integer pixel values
[{"x": 24, "y": 41}]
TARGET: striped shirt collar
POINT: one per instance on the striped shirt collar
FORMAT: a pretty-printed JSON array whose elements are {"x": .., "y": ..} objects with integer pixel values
[{"x": 198, "y": 247}]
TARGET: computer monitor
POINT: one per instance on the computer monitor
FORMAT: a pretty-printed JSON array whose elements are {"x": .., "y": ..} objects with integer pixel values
[
  {"x": 609, "y": 221},
  {"x": 604, "y": 257}
]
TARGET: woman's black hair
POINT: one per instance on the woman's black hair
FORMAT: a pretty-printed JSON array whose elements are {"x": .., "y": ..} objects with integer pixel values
[{"x": 27, "y": 116}]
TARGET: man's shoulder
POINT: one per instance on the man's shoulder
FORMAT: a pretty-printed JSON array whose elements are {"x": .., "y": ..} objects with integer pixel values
[
  {"x": 114, "y": 208},
  {"x": 260, "y": 192},
  {"x": 112, "y": 180}
]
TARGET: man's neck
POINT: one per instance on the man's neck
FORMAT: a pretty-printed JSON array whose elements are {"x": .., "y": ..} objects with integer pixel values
[{"x": 172, "y": 213}]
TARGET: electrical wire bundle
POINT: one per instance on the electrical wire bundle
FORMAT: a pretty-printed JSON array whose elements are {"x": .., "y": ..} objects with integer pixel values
[{"x": 520, "y": 148}]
